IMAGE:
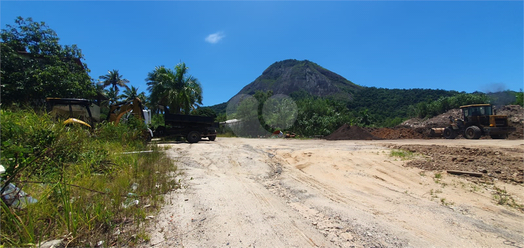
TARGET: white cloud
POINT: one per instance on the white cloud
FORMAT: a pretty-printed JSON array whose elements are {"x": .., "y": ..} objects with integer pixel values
[{"x": 215, "y": 38}]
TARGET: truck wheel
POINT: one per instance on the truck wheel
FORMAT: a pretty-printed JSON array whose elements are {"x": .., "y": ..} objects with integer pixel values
[
  {"x": 160, "y": 131},
  {"x": 211, "y": 138},
  {"x": 472, "y": 132},
  {"x": 193, "y": 137},
  {"x": 449, "y": 133}
]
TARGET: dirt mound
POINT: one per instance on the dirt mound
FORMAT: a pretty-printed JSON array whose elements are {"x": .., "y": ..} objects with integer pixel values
[
  {"x": 515, "y": 115},
  {"x": 399, "y": 133},
  {"x": 346, "y": 132},
  {"x": 441, "y": 120},
  {"x": 504, "y": 164}
]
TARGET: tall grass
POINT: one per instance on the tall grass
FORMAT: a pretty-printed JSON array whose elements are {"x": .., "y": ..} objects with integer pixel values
[{"x": 89, "y": 190}]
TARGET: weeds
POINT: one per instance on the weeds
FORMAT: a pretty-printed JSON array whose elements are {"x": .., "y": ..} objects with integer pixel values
[
  {"x": 402, "y": 154},
  {"x": 444, "y": 202},
  {"x": 83, "y": 182},
  {"x": 502, "y": 197},
  {"x": 438, "y": 179}
]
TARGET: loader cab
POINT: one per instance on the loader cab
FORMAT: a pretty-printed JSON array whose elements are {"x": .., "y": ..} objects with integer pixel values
[
  {"x": 74, "y": 111},
  {"x": 477, "y": 113}
]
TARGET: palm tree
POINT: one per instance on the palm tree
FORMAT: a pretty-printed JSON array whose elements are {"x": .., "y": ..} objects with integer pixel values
[
  {"x": 143, "y": 98},
  {"x": 114, "y": 79},
  {"x": 130, "y": 94},
  {"x": 175, "y": 89},
  {"x": 112, "y": 97}
]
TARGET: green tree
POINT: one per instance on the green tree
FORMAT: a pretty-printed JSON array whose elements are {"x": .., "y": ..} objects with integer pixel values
[
  {"x": 142, "y": 96},
  {"x": 204, "y": 112},
  {"x": 174, "y": 88},
  {"x": 114, "y": 80},
  {"x": 519, "y": 98},
  {"x": 320, "y": 116},
  {"x": 112, "y": 97},
  {"x": 130, "y": 93},
  {"x": 36, "y": 66}
]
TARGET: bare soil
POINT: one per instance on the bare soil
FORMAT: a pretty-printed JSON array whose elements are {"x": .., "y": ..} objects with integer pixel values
[
  {"x": 502, "y": 164},
  {"x": 344, "y": 193}
]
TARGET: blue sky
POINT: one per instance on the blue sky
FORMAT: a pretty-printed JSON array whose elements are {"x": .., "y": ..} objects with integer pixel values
[{"x": 464, "y": 46}]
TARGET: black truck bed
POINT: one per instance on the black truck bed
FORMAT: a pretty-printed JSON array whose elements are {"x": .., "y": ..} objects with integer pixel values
[{"x": 178, "y": 118}]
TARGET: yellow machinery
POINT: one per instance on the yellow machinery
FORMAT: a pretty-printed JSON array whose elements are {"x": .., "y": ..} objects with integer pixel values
[
  {"x": 478, "y": 120},
  {"x": 121, "y": 111},
  {"x": 74, "y": 110}
]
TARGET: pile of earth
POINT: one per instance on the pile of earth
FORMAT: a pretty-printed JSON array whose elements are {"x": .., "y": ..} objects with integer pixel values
[
  {"x": 515, "y": 115},
  {"x": 441, "y": 120},
  {"x": 399, "y": 133},
  {"x": 504, "y": 164},
  {"x": 346, "y": 132}
]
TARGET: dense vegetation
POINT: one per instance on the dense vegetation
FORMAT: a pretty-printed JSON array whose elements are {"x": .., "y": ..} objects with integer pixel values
[
  {"x": 35, "y": 65},
  {"x": 177, "y": 90},
  {"x": 88, "y": 189},
  {"x": 93, "y": 187},
  {"x": 370, "y": 107}
]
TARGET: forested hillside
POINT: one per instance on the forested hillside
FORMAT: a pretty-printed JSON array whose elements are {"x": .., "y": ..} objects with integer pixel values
[{"x": 321, "y": 113}]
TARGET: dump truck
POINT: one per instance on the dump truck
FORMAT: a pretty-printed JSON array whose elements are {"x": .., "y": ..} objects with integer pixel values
[
  {"x": 191, "y": 127},
  {"x": 477, "y": 120}
]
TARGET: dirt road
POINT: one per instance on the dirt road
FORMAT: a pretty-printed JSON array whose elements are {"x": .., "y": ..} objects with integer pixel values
[{"x": 317, "y": 193}]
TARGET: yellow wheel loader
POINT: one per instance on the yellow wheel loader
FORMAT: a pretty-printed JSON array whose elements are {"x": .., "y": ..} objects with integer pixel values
[
  {"x": 477, "y": 120},
  {"x": 74, "y": 111}
]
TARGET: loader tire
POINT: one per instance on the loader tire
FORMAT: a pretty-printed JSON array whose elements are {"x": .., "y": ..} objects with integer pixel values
[
  {"x": 472, "y": 132},
  {"x": 449, "y": 133}
]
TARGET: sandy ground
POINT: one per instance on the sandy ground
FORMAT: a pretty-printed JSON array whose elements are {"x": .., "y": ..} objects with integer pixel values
[{"x": 318, "y": 193}]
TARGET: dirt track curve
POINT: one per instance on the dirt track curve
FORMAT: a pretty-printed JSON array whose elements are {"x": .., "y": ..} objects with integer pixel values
[{"x": 317, "y": 193}]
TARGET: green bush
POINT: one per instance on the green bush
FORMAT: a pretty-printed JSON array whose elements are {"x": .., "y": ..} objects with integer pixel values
[{"x": 85, "y": 183}]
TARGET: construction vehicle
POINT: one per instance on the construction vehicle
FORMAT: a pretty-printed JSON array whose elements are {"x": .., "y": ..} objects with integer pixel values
[
  {"x": 74, "y": 111},
  {"x": 121, "y": 112},
  {"x": 478, "y": 120},
  {"x": 84, "y": 112},
  {"x": 192, "y": 127}
]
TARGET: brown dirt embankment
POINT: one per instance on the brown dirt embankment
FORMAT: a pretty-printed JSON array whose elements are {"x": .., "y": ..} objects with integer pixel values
[{"x": 346, "y": 132}]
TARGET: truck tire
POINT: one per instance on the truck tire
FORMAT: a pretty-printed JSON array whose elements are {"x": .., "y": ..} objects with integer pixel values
[
  {"x": 449, "y": 133},
  {"x": 193, "y": 137},
  {"x": 211, "y": 138},
  {"x": 160, "y": 131},
  {"x": 472, "y": 132}
]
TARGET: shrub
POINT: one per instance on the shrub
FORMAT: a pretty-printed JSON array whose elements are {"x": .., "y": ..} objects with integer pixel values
[{"x": 85, "y": 183}]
